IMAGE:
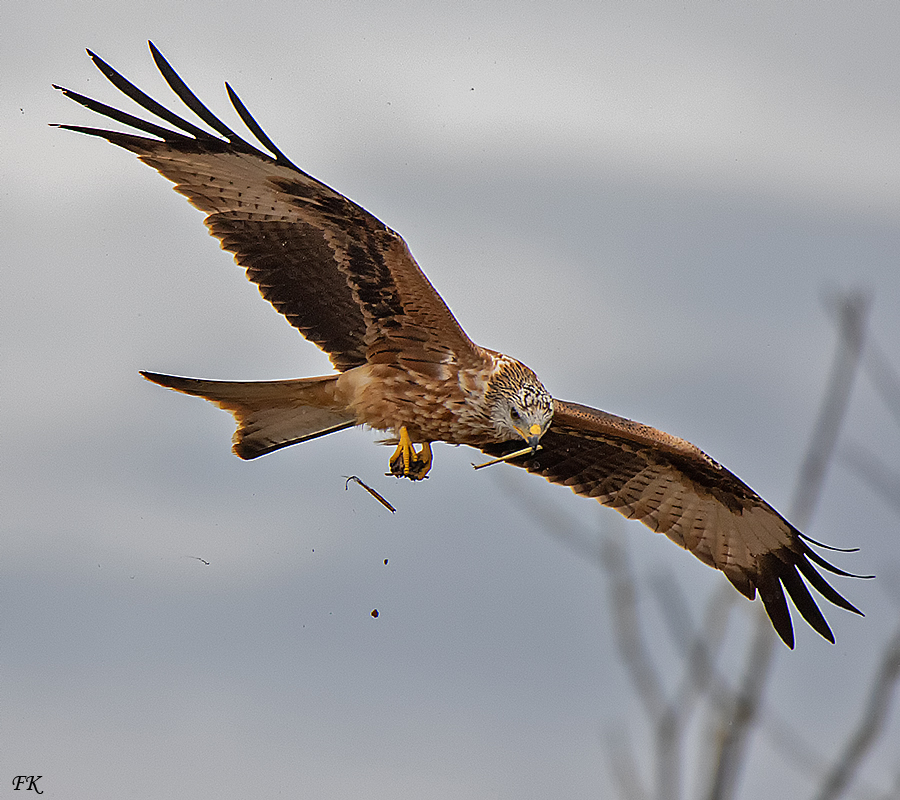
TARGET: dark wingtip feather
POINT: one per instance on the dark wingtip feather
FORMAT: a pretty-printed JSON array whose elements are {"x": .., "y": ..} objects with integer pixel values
[
  {"x": 144, "y": 100},
  {"x": 254, "y": 127},
  {"x": 177, "y": 85},
  {"x": 777, "y": 608},
  {"x": 826, "y": 546},
  {"x": 817, "y": 559},
  {"x": 742, "y": 582},
  {"x": 118, "y": 116},
  {"x": 157, "y": 109},
  {"x": 824, "y": 588},
  {"x": 187, "y": 96},
  {"x": 804, "y": 603},
  {"x": 790, "y": 573}
]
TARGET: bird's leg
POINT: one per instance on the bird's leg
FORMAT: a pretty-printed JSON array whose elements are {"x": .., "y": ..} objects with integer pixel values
[
  {"x": 424, "y": 458},
  {"x": 406, "y": 462},
  {"x": 399, "y": 461}
]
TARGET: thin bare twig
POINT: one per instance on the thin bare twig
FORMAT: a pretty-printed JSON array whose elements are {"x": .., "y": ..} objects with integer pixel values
[
  {"x": 370, "y": 490},
  {"x": 562, "y": 526},
  {"x": 894, "y": 792},
  {"x": 741, "y": 708},
  {"x": 623, "y": 767},
  {"x": 874, "y": 472},
  {"x": 853, "y": 312},
  {"x": 699, "y": 646},
  {"x": 632, "y": 650},
  {"x": 507, "y": 457},
  {"x": 870, "y": 725},
  {"x": 744, "y": 714},
  {"x": 699, "y": 649},
  {"x": 884, "y": 378}
]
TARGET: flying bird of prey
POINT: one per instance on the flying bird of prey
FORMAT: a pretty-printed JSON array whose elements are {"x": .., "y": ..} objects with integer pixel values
[{"x": 404, "y": 366}]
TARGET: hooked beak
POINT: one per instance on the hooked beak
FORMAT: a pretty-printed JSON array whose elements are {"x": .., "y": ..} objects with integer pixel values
[{"x": 533, "y": 437}]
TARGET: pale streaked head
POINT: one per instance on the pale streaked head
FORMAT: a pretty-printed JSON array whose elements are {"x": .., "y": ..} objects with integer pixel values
[{"x": 518, "y": 404}]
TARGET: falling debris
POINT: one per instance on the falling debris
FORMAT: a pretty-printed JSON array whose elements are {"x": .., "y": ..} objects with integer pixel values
[
  {"x": 385, "y": 562},
  {"x": 370, "y": 490},
  {"x": 375, "y": 613}
]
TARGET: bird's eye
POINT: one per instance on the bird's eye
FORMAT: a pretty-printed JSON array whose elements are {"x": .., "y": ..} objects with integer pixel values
[{"x": 515, "y": 415}]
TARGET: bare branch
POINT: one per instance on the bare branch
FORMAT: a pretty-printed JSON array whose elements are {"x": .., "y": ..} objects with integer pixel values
[
  {"x": 668, "y": 754},
  {"x": 698, "y": 646},
  {"x": 562, "y": 526},
  {"x": 884, "y": 378},
  {"x": 745, "y": 711},
  {"x": 623, "y": 767},
  {"x": 632, "y": 650},
  {"x": 870, "y": 725},
  {"x": 741, "y": 709},
  {"x": 853, "y": 312},
  {"x": 874, "y": 472},
  {"x": 894, "y": 792}
]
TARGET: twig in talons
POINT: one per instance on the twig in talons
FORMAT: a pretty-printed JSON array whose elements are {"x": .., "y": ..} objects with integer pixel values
[
  {"x": 370, "y": 490},
  {"x": 507, "y": 457}
]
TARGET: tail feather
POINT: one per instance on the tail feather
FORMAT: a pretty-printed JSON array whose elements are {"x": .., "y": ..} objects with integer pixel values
[{"x": 270, "y": 414}]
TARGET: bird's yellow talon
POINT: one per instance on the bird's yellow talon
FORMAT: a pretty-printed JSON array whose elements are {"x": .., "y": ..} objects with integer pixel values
[{"x": 406, "y": 462}]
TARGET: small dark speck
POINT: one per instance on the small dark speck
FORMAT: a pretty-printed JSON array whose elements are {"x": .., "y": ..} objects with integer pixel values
[
  {"x": 374, "y": 613},
  {"x": 385, "y": 562}
]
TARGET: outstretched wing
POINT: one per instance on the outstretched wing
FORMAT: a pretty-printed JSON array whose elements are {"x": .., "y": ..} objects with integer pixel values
[
  {"x": 340, "y": 276},
  {"x": 676, "y": 489}
]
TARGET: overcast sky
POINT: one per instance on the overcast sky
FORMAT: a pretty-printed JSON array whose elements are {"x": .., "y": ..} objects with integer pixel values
[{"x": 646, "y": 204}]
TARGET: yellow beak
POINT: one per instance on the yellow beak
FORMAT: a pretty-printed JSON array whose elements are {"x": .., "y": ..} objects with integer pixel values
[{"x": 533, "y": 437}]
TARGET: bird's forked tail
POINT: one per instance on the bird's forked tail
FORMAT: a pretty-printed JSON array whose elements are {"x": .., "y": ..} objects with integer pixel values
[{"x": 270, "y": 414}]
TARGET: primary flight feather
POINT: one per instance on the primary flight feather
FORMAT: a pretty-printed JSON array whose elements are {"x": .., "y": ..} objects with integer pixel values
[{"x": 404, "y": 365}]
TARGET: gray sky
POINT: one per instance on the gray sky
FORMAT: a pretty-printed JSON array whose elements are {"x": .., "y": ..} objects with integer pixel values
[{"x": 644, "y": 205}]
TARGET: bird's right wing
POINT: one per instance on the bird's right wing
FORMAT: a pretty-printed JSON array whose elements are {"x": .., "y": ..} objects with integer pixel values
[
  {"x": 674, "y": 488},
  {"x": 340, "y": 276}
]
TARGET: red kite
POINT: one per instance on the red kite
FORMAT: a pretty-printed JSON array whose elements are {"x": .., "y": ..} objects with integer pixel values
[{"x": 404, "y": 365}]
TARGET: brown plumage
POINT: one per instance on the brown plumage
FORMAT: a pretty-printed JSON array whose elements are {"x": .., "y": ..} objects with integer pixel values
[{"x": 349, "y": 284}]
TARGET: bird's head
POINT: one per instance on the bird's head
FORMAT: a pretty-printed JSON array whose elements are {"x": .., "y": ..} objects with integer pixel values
[{"x": 518, "y": 404}]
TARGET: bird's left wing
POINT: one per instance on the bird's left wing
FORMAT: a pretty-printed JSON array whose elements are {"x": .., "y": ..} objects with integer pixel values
[
  {"x": 340, "y": 276},
  {"x": 674, "y": 488}
]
